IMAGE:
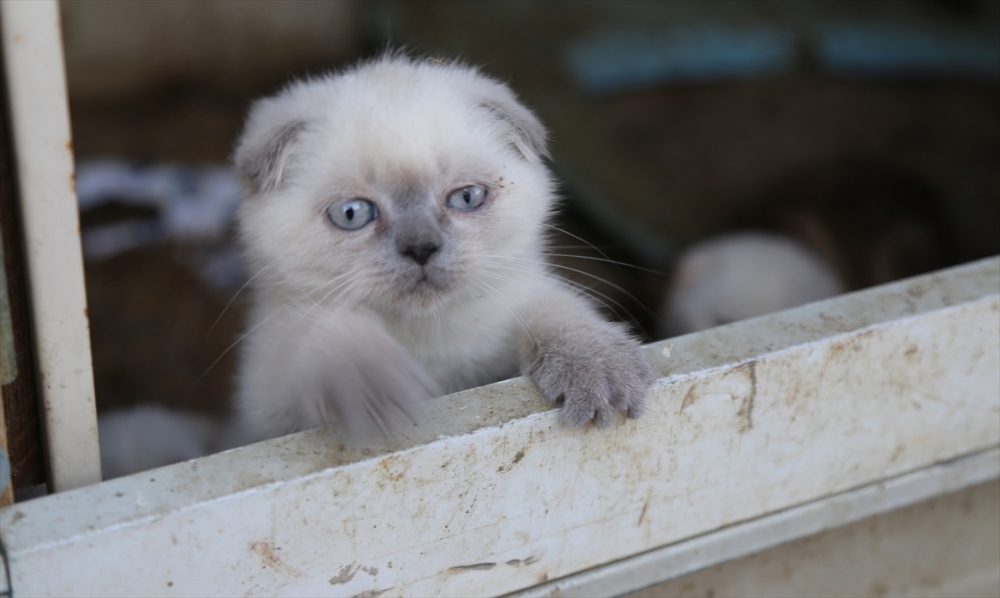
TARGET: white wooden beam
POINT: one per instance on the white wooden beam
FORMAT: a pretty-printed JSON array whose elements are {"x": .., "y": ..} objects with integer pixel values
[
  {"x": 493, "y": 495},
  {"x": 674, "y": 560},
  {"x": 36, "y": 85},
  {"x": 944, "y": 547}
]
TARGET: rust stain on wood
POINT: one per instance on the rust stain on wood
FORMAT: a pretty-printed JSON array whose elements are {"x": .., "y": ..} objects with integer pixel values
[{"x": 266, "y": 553}]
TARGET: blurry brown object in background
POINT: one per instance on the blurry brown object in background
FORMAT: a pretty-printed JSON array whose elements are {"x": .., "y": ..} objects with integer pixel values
[
  {"x": 870, "y": 221},
  {"x": 150, "y": 317}
]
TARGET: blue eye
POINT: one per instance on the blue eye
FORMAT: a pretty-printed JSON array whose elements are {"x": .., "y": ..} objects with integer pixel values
[
  {"x": 467, "y": 198},
  {"x": 353, "y": 214}
]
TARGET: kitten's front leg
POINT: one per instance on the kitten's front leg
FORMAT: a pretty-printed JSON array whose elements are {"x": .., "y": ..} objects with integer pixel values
[
  {"x": 593, "y": 366},
  {"x": 306, "y": 369}
]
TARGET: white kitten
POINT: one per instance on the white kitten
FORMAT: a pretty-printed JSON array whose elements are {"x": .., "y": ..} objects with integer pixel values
[
  {"x": 395, "y": 216},
  {"x": 739, "y": 276},
  {"x": 149, "y": 436}
]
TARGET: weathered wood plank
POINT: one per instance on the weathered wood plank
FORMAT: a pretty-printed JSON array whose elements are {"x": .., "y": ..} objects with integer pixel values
[{"x": 36, "y": 86}]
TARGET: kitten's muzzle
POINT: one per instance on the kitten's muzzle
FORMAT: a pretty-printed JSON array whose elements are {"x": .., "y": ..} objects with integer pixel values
[
  {"x": 418, "y": 235},
  {"x": 420, "y": 253}
]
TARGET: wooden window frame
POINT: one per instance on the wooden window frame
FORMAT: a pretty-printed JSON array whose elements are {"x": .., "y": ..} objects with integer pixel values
[{"x": 758, "y": 433}]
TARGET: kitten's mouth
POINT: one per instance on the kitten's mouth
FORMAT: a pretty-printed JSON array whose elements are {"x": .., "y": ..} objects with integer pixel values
[{"x": 426, "y": 286}]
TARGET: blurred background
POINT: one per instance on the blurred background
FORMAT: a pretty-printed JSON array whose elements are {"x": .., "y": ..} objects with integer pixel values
[{"x": 735, "y": 157}]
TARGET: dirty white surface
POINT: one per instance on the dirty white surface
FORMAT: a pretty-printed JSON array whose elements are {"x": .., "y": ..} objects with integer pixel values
[
  {"x": 492, "y": 495},
  {"x": 946, "y": 547},
  {"x": 755, "y": 537},
  {"x": 36, "y": 83}
]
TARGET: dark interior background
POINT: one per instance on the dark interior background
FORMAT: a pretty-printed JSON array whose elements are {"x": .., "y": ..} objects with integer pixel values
[{"x": 651, "y": 162}]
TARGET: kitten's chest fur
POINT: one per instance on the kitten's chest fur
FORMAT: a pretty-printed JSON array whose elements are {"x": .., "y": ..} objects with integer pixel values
[
  {"x": 471, "y": 343},
  {"x": 474, "y": 341},
  {"x": 464, "y": 344}
]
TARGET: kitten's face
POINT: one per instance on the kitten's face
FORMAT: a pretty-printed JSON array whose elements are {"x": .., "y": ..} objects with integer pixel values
[{"x": 401, "y": 187}]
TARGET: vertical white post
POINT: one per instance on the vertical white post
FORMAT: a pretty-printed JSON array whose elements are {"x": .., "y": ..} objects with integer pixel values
[{"x": 36, "y": 82}]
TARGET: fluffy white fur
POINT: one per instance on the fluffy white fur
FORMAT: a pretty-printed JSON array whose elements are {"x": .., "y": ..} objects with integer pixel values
[
  {"x": 347, "y": 325},
  {"x": 739, "y": 276}
]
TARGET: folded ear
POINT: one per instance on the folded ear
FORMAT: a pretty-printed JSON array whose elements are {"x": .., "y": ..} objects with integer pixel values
[
  {"x": 524, "y": 131},
  {"x": 264, "y": 151}
]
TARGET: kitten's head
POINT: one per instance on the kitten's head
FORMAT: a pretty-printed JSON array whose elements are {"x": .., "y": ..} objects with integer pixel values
[{"x": 398, "y": 185}]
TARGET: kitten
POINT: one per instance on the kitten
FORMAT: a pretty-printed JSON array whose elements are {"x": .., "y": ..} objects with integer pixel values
[
  {"x": 825, "y": 228},
  {"x": 395, "y": 217},
  {"x": 148, "y": 436},
  {"x": 743, "y": 275}
]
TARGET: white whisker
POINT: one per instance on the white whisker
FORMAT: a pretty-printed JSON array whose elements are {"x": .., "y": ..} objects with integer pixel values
[
  {"x": 236, "y": 342},
  {"x": 224, "y": 309},
  {"x": 608, "y": 261},
  {"x": 582, "y": 240},
  {"x": 591, "y": 291},
  {"x": 598, "y": 279}
]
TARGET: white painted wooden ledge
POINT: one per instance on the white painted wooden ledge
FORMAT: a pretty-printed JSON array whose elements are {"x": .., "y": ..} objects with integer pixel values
[
  {"x": 39, "y": 109},
  {"x": 757, "y": 433}
]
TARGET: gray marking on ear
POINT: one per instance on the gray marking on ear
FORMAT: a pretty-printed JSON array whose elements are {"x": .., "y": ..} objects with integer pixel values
[
  {"x": 527, "y": 134},
  {"x": 263, "y": 164}
]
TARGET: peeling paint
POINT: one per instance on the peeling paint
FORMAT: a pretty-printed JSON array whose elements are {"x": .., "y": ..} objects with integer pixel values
[
  {"x": 346, "y": 574},
  {"x": 745, "y": 413},
  {"x": 689, "y": 397},
  {"x": 474, "y": 567}
]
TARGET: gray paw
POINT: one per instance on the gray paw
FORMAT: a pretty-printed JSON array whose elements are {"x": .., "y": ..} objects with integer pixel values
[{"x": 595, "y": 369}]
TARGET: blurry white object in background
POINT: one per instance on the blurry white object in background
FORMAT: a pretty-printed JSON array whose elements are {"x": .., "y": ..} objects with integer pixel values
[
  {"x": 743, "y": 275},
  {"x": 193, "y": 202},
  {"x": 148, "y": 436},
  {"x": 184, "y": 204}
]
